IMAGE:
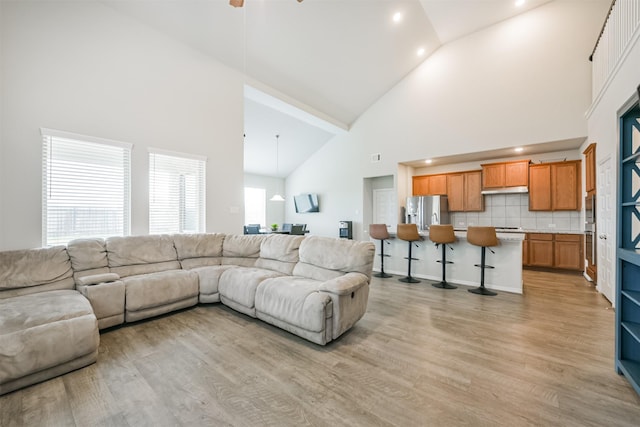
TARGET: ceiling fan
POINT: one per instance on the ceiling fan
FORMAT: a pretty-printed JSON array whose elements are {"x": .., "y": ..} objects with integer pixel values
[{"x": 240, "y": 3}]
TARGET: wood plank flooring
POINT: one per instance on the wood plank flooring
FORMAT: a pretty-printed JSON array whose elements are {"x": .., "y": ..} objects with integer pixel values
[{"x": 421, "y": 356}]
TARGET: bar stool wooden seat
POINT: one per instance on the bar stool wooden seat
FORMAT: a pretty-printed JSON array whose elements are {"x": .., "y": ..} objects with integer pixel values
[
  {"x": 442, "y": 234},
  {"x": 483, "y": 237},
  {"x": 409, "y": 233},
  {"x": 380, "y": 232}
]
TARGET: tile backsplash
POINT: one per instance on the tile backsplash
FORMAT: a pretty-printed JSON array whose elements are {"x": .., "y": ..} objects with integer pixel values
[{"x": 512, "y": 210}]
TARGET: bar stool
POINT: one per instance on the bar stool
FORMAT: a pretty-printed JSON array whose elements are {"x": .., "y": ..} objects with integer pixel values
[
  {"x": 441, "y": 235},
  {"x": 483, "y": 237},
  {"x": 380, "y": 232},
  {"x": 409, "y": 233}
]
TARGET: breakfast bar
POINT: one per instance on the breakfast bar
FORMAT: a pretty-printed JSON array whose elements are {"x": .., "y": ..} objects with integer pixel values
[{"x": 507, "y": 260}]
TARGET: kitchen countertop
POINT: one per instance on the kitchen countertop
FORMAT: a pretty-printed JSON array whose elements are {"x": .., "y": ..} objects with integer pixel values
[{"x": 520, "y": 230}]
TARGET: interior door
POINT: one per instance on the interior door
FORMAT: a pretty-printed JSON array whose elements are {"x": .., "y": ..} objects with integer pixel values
[
  {"x": 384, "y": 207},
  {"x": 606, "y": 211}
]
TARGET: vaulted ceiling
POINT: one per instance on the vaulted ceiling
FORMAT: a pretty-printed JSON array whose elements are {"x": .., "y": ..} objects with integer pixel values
[{"x": 334, "y": 58}]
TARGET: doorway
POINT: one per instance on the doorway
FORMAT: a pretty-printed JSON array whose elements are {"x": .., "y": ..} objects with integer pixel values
[{"x": 605, "y": 236}]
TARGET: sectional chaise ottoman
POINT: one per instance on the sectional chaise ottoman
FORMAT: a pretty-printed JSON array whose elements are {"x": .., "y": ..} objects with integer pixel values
[{"x": 53, "y": 301}]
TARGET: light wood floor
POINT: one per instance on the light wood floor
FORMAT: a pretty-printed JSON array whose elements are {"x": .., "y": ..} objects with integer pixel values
[{"x": 420, "y": 356}]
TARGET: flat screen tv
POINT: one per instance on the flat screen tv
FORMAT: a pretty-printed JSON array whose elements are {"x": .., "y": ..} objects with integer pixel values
[{"x": 306, "y": 203}]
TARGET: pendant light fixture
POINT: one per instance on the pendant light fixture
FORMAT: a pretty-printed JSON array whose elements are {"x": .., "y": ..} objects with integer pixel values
[{"x": 277, "y": 197}]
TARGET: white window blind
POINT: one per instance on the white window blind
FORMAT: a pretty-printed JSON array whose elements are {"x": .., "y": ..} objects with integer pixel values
[
  {"x": 176, "y": 193},
  {"x": 86, "y": 187},
  {"x": 255, "y": 206}
]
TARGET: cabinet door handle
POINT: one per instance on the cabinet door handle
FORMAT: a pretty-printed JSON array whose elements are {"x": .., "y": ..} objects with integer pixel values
[{"x": 603, "y": 236}]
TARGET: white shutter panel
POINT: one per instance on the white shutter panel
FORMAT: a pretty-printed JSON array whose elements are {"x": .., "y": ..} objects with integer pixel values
[
  {"x": 86, "y": 187},
  {"x": 176, "y": 193}
]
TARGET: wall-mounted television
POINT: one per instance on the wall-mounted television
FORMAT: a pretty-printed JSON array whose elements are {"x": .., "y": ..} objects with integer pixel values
[{"x": 306, "y": 203}]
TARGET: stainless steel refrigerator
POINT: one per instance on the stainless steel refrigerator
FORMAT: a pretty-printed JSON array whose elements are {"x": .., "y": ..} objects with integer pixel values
[{"x": 427, "y": 210}]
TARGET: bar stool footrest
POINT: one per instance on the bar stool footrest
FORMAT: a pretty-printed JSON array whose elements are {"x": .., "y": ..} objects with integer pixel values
[
  {"x": 447, "y": 262},
  {"x": 485, "y": 266}
]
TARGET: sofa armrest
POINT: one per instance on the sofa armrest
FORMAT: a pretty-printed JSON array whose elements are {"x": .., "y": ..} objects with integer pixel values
[
  {"x": 97, "y": 278},
  {"x": 344, "y": 285}
]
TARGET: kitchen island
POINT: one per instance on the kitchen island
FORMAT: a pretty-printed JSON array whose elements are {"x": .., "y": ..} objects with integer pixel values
[{"x": 507, "y": 260}]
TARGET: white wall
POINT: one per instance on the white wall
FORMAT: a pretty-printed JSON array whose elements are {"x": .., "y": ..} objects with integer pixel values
[
  {"x": 525, "y": 80},
  {"x": 83, "y": 68},
  {"x": 275, "y": 210},
  {"x": 603, "y": 128}
]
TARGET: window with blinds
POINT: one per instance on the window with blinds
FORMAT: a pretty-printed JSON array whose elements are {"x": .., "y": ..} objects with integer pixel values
[
  {"x": 176, "y": 193},
  {"x": 255, "y": 206},
  {"x": 85, "y": 186}
]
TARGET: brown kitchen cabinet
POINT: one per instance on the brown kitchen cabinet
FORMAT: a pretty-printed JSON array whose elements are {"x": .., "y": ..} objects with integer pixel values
[
  {"x": 505, "y": 174},
  {"x": 590, "y": 169},
  {"x": 568, "y": 251},
  {"x": 540, "y": 249},
  {"x": 561, "y": 251},
  {"x": 426, "y": 185},
  {"x": 555, "y": 186},
  {"x": 464, "y": 192}
]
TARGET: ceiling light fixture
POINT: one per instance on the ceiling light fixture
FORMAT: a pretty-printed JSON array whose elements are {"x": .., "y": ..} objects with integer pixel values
[
  {"x": 518, "y": 149},
  {"x": 428, "y": 161},
  {"x": 420, "y": 51},
  {"x": 397, "y": 17},
  {"x": 519, "y": 3},
  {"x": 277, "y": 197}
]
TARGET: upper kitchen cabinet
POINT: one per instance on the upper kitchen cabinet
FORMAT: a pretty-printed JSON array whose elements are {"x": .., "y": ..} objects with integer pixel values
[
  {"x": 505, "y": 174},
  {"x": 464, "y": 192},
  {"x": 427, "y": 185},
  {"x": 590, "y": 169},
  {"x": 555, "y": 186}
]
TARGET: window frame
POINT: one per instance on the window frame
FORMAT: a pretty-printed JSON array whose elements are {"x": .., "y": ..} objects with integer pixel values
[
  {"x": 48, "y": 138},
  {"x": 201, "y": 181}
]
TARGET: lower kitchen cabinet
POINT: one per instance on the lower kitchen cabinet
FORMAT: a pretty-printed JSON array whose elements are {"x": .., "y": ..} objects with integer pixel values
[
  {"x": 568, "y": 251},
  {"x": 540, "y": 249},
  {"x": 561, "y": 251}
]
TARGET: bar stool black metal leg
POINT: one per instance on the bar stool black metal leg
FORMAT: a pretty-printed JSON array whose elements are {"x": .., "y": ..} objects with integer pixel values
[
  {"x": 481, "y": 290},
  {"x": 409, "y": 279},
  {"x": 382, "y": 273},
  {"x": 444, "y": 284}
]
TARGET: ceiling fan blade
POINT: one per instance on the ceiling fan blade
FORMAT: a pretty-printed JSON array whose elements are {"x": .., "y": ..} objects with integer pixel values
[{"x": 240, "y": 3}]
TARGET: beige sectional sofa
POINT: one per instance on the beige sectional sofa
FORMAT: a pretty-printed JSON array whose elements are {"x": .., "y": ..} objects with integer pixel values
[{"x": 53, "y": 301}]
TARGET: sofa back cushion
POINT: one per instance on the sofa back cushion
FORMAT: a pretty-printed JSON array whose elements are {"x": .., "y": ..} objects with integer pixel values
[
  {"x": 34, "y": 270},
  {"x": 279, "y": 253},
  {"x": 198, "y": 250},
  {"x": 88, "y": 257},
  {"x": 132, "y": 255},
  {"x": 325, "y": 258},
  {"x": 242, "y": 249}
]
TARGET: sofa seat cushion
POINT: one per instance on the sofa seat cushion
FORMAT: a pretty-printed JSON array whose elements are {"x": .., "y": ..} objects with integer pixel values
[
  {"x": 294, "y": 300},
  {"x": 43, "y": 330},
  {"x": 209, "y": 278},
  {"x": 239, "y": 284},
  {"x": 157, "y": 289}
]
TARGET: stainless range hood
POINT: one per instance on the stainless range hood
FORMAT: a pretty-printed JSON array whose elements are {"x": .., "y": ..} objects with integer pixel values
[{"x": 507, "y": 190}]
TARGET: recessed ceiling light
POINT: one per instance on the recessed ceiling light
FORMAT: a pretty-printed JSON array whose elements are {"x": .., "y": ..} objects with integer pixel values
[
  {"x": 397, "y": 17},
  {"x": 518, "y": 149},
  {"x": 420, "y": 51},
  {"x": 519, "y": 3},
  {"x": 428, "y": 161}
]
